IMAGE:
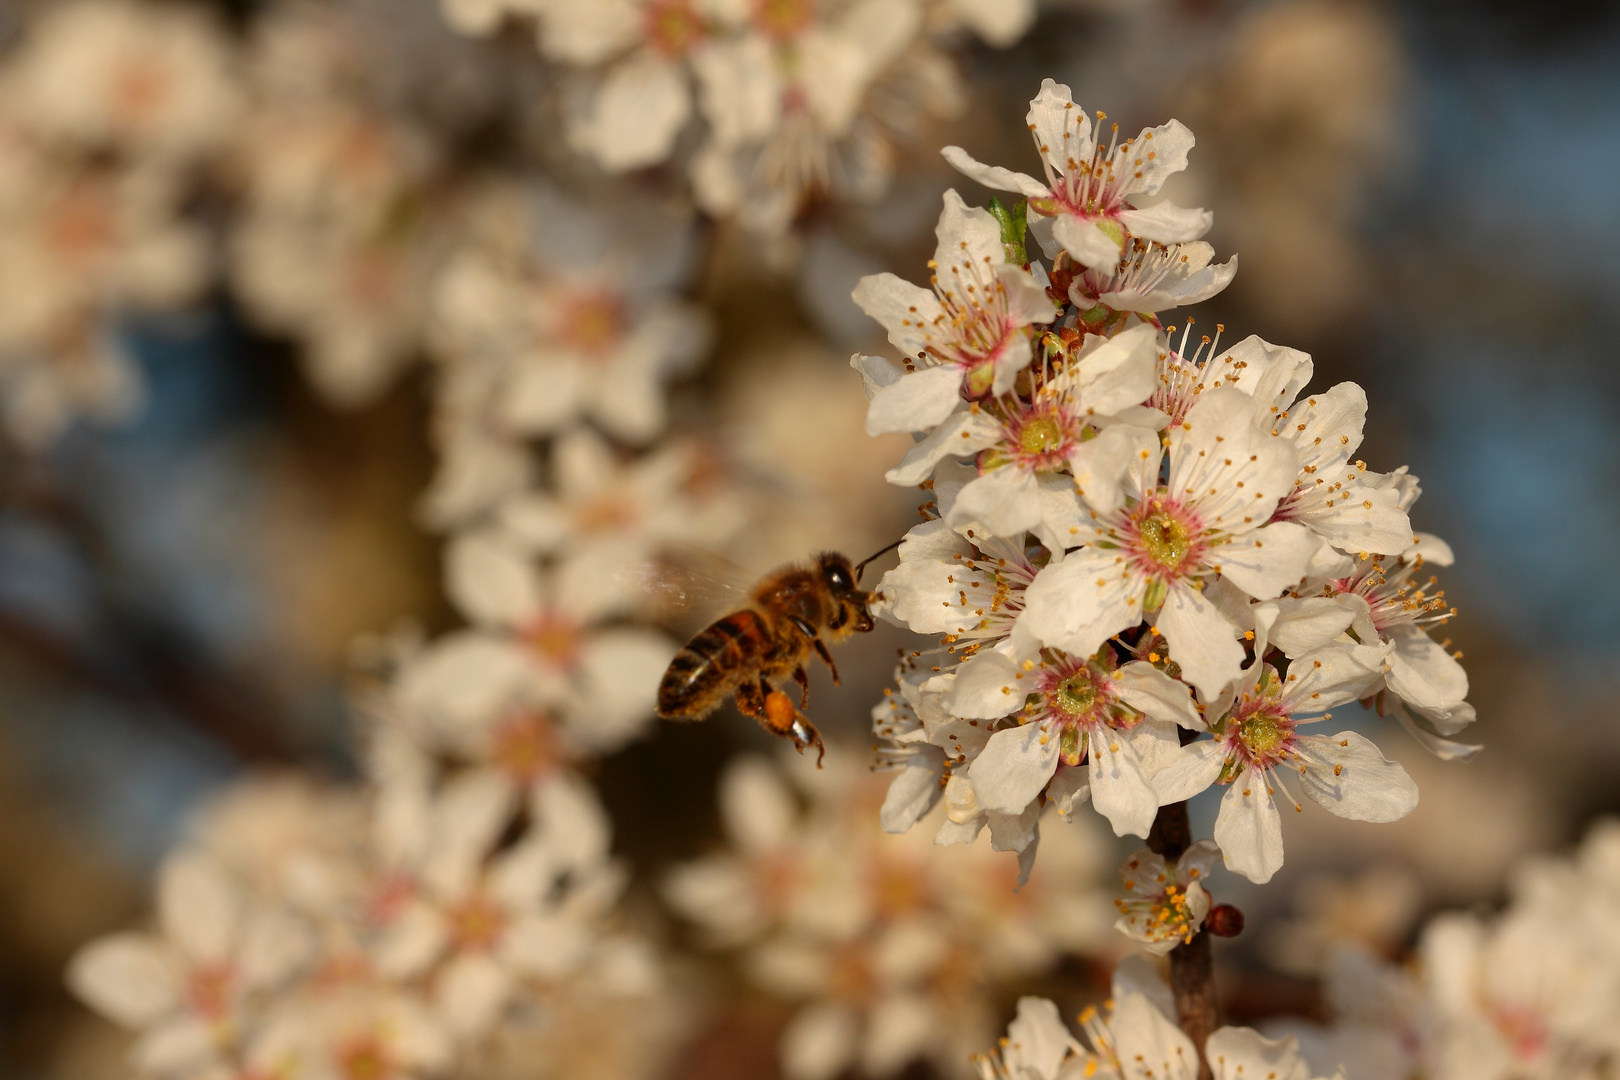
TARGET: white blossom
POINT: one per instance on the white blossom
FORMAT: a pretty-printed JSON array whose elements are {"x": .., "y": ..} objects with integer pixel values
[{"x": 1087, "y": 204}]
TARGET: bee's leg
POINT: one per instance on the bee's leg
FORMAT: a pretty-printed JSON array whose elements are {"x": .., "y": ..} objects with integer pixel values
[
  {"x": 802, "y": 677},
  {"x": 783, "y": 719},
  {"x": 751, "y": 700},
  {"x": 826, "y": 657}
]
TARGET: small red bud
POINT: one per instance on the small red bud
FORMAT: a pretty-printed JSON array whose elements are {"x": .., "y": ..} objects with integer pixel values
[{"x": 1224, "y": 920}]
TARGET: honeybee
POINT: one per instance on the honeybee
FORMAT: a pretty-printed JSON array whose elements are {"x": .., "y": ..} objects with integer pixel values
[{"x": 747, "y": 652}]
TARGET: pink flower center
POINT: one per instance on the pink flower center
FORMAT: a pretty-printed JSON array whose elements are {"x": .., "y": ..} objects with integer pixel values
[
  {"x": 1393, "y": 598},
  {"x": 525, "y": 747},
  {"x": 1260, "y": 728},
  {"x": 208, "y": 990},
  {"x": 476, "y": 923},
  {"x": 555, "y": 639},
  {"x": 139, "y": 89},
  {"x": 365, "y": 1057},
  {"x": 672, "y": 28},
  {"x": 592, "y": 322},
  {"x": 783, "y": 20},
  {"x": 1165, "y": 540},
  {"x": 1038, "y": 435},
  {"x": 1074, "y": 697}
]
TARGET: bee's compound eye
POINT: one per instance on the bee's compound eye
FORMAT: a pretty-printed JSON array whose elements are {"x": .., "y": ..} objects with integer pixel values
[{"x": 838, "y": 578}]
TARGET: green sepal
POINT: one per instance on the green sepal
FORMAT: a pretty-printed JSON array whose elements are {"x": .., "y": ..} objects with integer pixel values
[
  {"x": 1153, "y": 599},
  {"x": 1014, "y": 225}
]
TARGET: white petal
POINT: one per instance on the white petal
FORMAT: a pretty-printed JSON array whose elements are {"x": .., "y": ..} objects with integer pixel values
[
  {"x": 1364, "y": 516},
  {"x": 1201, "y": 639},
  {"x": 1167, "y": 223},
  {"x": 917, "y": 402},
  {"x": 1136, "y": 975},
  {"x": 999, "y": 22},
  {"x": 547, "y": 945},
  {"x": 467, "y": 819},
  {"x": 1013, "y": 767},
  {"x": 965, "y": 235},
  {"x": 1149, "y": 1044},
  {"x": 1120, "y": 372},
  {"x": 1232, "y": 472},
  {"x": 1170, "y": 143},
  {"x": 1153, "y": 693},
  {"x": 1014, "y": 832},
  {"x": 199, "y": 906},
  {"x": 1065, "y": 521},
  {"x": 876, "y": 372},
  {"x": 1037, "y": 1039},
  {"x": 491, "y": 579},
  {"x": 756, "y": 806},
  {"x": 1347, "y": 775},
  {"x": 1069, "y": 790},
  {"x": 638, "y": 111},
  {"x": 987, "y": 686},
  {"x": 1191, "y": 771},
  {"x": 914, "y": 790},
  {"x": 1309, "y": 623},
  {"x": 618, "y": 676},
  {"x": 819, "y": 1042},
  {"x": 1118, "y": 789},
  {"x": 465, "y": 679},
  {"x": 1105, "y": 468},
  {"x": 1325, "y": 678},
  {"x": 1268, "y": 560},
  {"x": 1085, "y": 242},
  {"x": 472, "y": 992},
  {"x": 178, "y": 1047},
  {"x": 1423, "y": 672},
  {"x": 1003, "y": 502},
  {"x": 1079, "y": 603},
  {"x": 571, "y": 822},
  {"x": 1249, "y": 829},
  {"x": 898, "y": 1029},
  {"x": 908, "y": 312},
  {"x": 1243, "y": 1053},
  {"x": 966, "y": 434},
  {"x": 132, "y": 979},
  {"x": 994, "y": 176}
]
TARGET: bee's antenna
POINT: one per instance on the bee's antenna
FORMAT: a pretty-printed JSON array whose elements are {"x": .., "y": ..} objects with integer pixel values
[{"x": 860, "y": 566}]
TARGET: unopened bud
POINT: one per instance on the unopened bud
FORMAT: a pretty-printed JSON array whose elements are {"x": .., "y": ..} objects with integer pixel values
[{"x": 1224, "y": 920}]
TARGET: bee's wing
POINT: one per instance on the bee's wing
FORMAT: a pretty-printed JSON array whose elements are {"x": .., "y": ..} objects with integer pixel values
[{"x": 688, "y": 590}]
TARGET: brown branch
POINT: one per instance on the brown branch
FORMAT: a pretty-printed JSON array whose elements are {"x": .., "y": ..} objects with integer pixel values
[{"x": 1192, "y": 969}]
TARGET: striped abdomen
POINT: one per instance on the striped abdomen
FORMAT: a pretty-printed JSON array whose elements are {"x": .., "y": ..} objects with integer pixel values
[{"x": 713, "y": 664}]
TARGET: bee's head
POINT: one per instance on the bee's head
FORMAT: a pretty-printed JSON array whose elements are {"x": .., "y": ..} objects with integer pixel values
[{"x": 849, "y": 611}]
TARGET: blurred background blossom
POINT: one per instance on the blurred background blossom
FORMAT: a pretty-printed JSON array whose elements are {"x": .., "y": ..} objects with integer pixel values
[{"x": 350, "y": 349}]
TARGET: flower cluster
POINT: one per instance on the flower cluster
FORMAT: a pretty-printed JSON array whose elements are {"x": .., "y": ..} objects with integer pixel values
[
  {"x": 894, "y": 952},
  {"x": 108, "y": 112},
  {"x": 798, "y": 98},
  {"x": 1135, "y": 1037},
  {"x": 383, "y": 932},
  {"x": 1137, "y": 540},
  {"x": 1530, "y": 993}
]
